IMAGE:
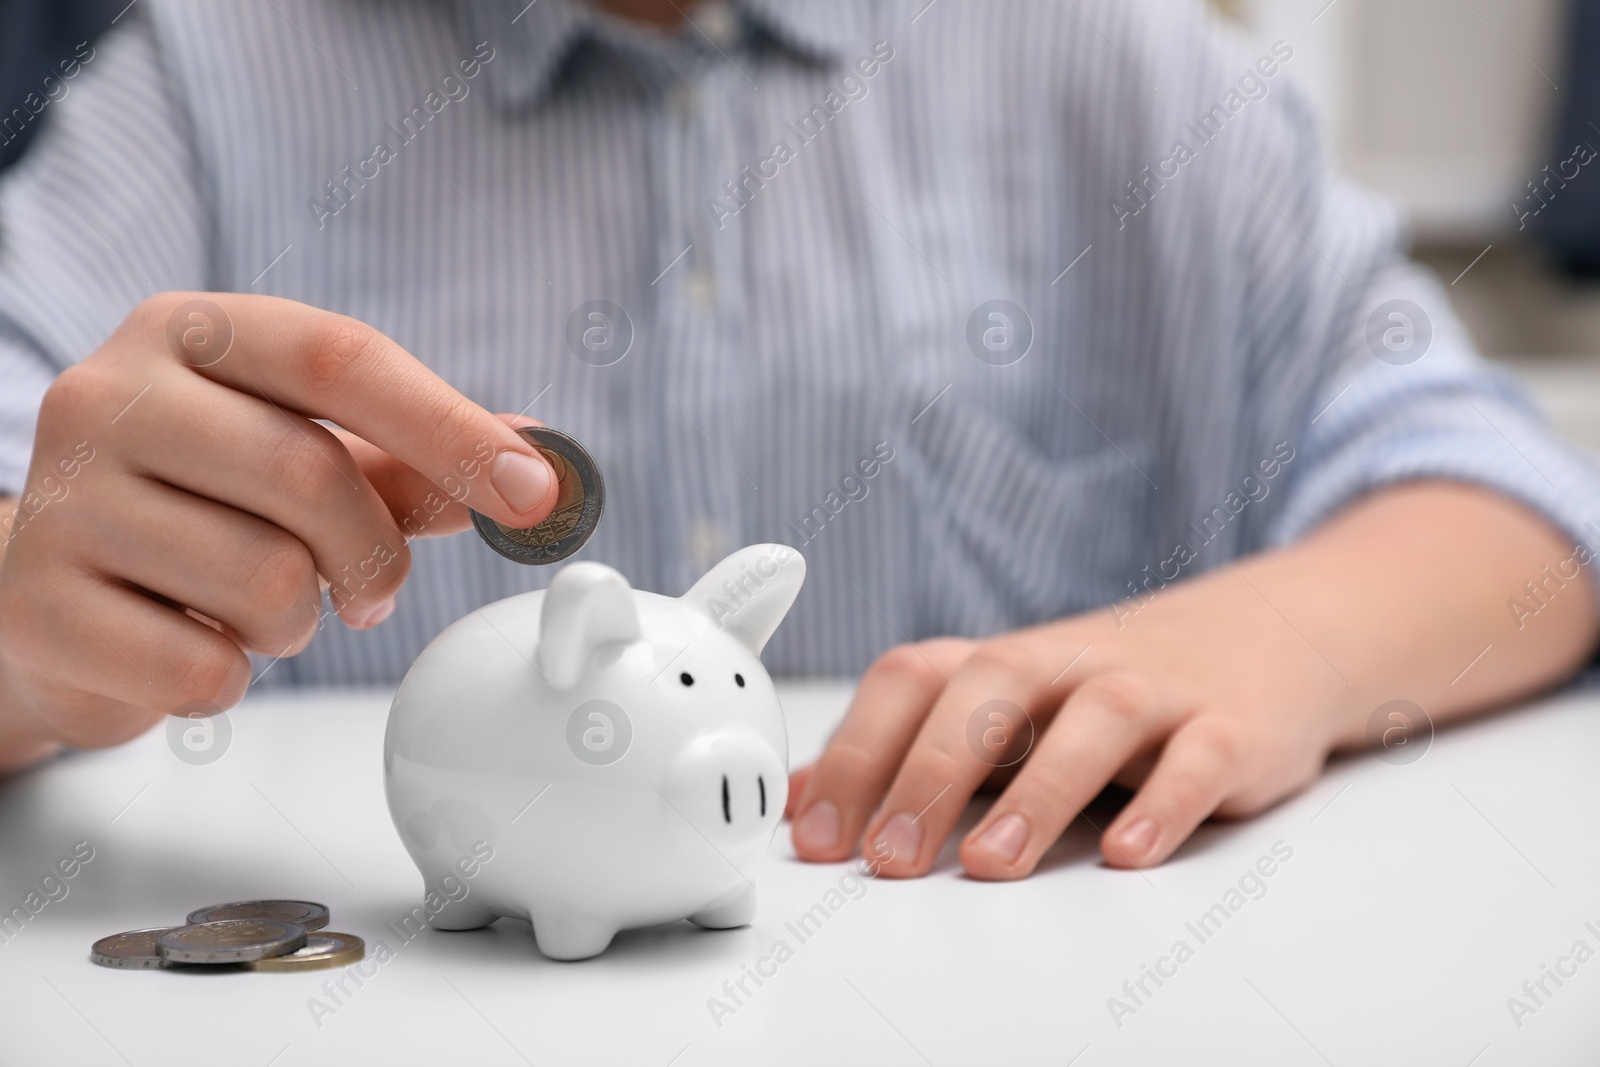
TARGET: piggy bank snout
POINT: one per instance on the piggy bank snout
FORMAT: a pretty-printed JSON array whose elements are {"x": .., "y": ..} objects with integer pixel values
[{"x": 731, "y": 784}]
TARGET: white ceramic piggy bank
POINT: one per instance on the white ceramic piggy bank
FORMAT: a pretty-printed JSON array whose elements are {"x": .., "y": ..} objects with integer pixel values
[{"x": 621, "y": 755}]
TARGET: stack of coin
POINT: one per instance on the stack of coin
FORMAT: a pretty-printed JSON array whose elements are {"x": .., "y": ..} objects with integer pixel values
[
  {"x": 580, "y": 497},
  {"x": 253, "y": 935}
]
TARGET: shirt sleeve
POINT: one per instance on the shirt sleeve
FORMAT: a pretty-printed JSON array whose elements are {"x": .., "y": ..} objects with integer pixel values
[
  {"x": 1411, "y": 399},
  {"x": 107, "y": 208}
]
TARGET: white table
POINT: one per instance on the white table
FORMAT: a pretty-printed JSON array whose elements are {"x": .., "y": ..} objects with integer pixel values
[{"x": 1417, "y": 900}]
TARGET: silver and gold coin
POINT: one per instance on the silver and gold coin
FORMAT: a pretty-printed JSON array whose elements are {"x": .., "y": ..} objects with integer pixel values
[
  {"x": 133, "y": 950},
  {"x": 321, "y": 951},
  {"x": 311, "y": 915},
  {"x": 230, "y": 941},
  {"x": 581, "y": 496}
]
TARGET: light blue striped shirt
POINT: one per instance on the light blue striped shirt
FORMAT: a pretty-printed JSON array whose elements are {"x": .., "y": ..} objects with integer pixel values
[{"x": 999, "y": 311}]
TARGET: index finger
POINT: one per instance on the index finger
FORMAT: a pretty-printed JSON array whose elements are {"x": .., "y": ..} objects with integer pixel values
[
  {"x": 1004, "y": 687},
  {"x": 324, "y": 365},
  {"x": 839, "y": 792}
]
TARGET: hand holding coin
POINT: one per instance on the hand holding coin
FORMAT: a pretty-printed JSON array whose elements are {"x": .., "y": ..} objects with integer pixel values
[{"x": 188, "y": 501}]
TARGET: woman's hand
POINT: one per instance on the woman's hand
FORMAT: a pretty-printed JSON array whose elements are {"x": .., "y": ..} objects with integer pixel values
[
  {"x": 183, "y": 506},
  {"x": 1220, "y": 695},
  {"x": 1073, "y": 705}
]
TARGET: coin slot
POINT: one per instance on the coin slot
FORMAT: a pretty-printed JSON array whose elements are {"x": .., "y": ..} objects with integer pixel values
[
  {"x": 727, "y": 816},
  {"x": 761, "y": 783}
]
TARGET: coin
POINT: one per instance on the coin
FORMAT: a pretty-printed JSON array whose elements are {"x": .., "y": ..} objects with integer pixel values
[
  {"x": 581, "y": 496},
  {"x": 133, "y": 950},
  {"x": 230, "y": 941},
  {"x": 321, "y": 951},
  {"x": 305, "y": 913}
]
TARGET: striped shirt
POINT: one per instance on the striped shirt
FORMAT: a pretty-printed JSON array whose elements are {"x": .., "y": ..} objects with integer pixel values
[{"x": 998, "y": 311}]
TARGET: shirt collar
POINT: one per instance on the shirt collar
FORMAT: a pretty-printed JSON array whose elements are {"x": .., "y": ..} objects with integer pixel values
[
  {"x": 532, "y": 41},
  {"x": 826, "y": 31}
]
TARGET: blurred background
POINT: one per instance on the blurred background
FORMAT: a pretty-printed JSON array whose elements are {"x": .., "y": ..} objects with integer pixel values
[
  {"x": 1458, "y": 107},
  {"x": 1480, "y": 115}
]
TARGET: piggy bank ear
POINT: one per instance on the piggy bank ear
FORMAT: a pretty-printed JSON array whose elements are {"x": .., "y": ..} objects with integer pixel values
[
  {"x": 587, "y": 606},
  {"x": 750, "y": 592}
]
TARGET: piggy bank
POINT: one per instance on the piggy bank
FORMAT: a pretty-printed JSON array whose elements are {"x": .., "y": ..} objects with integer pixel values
[{"x": 591, "y": 757}]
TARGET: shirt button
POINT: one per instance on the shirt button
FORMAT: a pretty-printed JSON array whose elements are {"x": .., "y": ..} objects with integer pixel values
[
  {"x": 702, "y": 291},
  {"x": 708, "y": 543},
  {"x": 683, "y": 100}
]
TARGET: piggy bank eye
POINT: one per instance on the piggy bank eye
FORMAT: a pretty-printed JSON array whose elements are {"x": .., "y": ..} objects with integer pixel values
[
  {"x": 738, "y": 680},
  {"x": 686, "y": 678}
]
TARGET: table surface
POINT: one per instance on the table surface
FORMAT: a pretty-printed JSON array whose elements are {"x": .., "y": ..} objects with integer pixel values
[{"x": 1414, "y": 903}]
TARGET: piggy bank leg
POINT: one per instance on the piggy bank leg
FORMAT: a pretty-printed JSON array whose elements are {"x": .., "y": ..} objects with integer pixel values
[
  {"x": 570, "y": 937},
  {"x": 463, "y": 914},
  {"x": 736, "y": 910}
]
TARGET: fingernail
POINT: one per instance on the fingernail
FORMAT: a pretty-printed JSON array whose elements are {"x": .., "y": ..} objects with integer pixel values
[
  {"x": 522, "y": 481},
  {"x": 371, "y": 616},
  {"x": 818, "y": 828},
  {"x": 1140, "y": 837},
  {"x": 1004, "y": 840},
  {"x": 903, "y": 837}
]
